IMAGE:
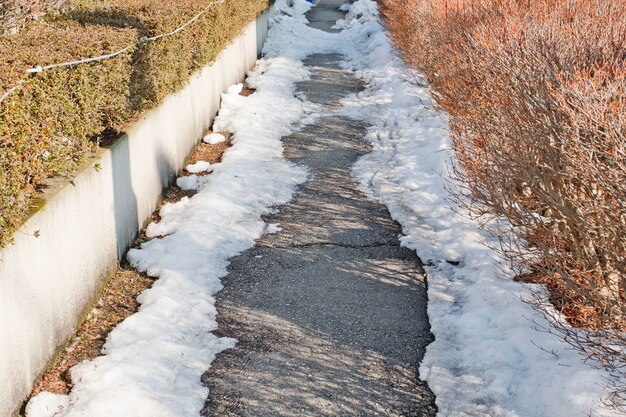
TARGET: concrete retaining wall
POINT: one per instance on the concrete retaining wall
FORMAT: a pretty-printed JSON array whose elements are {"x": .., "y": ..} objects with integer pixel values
[{"x": 48, "y": 282}]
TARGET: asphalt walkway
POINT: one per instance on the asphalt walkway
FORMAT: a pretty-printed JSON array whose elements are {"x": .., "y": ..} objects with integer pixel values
[{"x": 330, "y": 312}]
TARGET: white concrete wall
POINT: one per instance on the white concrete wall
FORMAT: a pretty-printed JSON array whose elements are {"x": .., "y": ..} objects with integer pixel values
[{"x": 47, "y": 282}]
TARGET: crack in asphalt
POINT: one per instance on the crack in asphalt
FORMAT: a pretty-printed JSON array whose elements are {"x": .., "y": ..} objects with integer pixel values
[{"x": 333, "y": 244}]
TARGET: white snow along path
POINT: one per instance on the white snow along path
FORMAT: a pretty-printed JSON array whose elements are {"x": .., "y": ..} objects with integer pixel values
[
  {"x": 483, "y": 361},
  {"x": 154, "y": 359}
]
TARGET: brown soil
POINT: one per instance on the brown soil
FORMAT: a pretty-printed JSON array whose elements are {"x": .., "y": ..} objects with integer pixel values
[
  {"x": 247, "y": 91},
  {"x": 210, "y": 153}
]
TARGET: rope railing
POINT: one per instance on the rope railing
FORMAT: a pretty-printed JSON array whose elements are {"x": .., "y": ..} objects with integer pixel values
[{"x": 39, "y": 69}]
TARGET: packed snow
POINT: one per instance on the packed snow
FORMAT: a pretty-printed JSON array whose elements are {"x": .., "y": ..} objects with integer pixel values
[{"x": 485, "y": 360}]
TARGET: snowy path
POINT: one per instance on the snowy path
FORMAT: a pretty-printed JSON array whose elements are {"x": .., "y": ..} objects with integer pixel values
[
  {"x": 330, "y": 311},
  {"x": 327, "y": 305}
]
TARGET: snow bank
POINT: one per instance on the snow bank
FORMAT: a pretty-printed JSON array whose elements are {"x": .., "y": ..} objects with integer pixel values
[{"x": 154, "y": 359}]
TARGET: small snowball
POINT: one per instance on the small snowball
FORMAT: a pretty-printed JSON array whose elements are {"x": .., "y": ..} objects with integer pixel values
[
  {"x": 198, "y": 167},
  {"x": 214, "y": 138},
  {"x": 188, "y": 183}
]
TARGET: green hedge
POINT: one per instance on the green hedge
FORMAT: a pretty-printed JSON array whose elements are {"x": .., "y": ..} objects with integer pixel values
[{"x": 52, "y": 124}]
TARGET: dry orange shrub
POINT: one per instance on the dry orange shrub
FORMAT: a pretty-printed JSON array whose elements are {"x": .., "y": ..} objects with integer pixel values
[{"x": 536, "y": 91}]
